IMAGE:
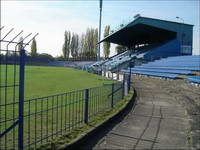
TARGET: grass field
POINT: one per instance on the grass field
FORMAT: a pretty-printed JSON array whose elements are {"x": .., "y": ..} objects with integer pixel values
[
  {"x": 47, "y": 117},
  {"x": 44, "y": 81}
]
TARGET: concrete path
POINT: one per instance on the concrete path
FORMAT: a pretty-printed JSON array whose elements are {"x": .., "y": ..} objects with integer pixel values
[{"x": 156, "y": 122}]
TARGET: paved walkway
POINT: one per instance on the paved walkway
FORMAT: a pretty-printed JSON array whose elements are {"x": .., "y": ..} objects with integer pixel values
[{"x": 156, "y": 122}]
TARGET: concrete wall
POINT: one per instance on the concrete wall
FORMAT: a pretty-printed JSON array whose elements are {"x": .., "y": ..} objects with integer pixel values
[{"x": 114, "y": 76}]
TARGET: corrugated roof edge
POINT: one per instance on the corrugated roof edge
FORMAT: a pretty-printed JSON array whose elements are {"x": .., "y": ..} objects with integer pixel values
[{"x": 166, "y": 21}]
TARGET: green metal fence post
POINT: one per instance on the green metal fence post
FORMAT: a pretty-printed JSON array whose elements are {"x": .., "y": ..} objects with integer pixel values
[
  {"x": 112, "y": 100},
  {"x": 86, "y": 106},
  {"x": 21, "y": 100},
  {"x": 122, "y": 85},
  {"x": 129, "y": 79}
]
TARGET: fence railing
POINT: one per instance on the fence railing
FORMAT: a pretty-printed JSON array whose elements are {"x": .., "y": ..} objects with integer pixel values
[
  {"x": 29, "y": 123},
  {"x": 48, "y": 117},
  {"x": 12, "y": 89},
  {"x": 45, "y": 118}
]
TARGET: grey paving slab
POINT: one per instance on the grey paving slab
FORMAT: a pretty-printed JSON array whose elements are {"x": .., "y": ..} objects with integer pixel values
[{"x": 158, "y": 121}]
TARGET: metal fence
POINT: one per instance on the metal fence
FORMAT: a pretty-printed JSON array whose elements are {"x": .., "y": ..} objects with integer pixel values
[
  {"x": 48, "y": 117},
  {"x": 27, "y": 124}
]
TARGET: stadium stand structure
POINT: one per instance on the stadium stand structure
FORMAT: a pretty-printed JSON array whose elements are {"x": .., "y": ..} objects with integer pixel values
[
  {"x": 171, "y": 67},
  {"x": 156, "y": 48},
  {"x": 147, "y": 39}
]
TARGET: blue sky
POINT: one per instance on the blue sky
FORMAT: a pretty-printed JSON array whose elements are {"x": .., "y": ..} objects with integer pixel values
[{"x": 52, "y": 18}]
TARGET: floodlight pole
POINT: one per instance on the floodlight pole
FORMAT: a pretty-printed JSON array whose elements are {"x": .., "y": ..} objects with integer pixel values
[{"x": 98, "y": 51}]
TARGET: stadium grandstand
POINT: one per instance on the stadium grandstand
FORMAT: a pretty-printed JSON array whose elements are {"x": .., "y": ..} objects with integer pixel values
[
  {"x": 155, "y": 47},
  {"x": 172, "y": 67}
]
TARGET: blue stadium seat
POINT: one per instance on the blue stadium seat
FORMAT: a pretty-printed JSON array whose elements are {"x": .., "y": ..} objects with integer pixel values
[
  {"x": 175, "y": 64},
  {"x": 156, "y": 74},
  {"x": 195, "y": 79},
  {"x": 190, "y": 63},
  {"x": 186, "y": 72},
  {"x": 170, "y": 67}
]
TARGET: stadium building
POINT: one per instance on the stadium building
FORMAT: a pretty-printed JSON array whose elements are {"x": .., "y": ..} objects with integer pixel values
[
  {"x": 160, "y": 37},
  {"x": 148, "y": 39},
  {"x": 154, "y": 48}
]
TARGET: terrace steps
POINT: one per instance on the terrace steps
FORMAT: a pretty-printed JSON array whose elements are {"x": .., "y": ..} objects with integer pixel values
[{"x": 185, "y": 67}]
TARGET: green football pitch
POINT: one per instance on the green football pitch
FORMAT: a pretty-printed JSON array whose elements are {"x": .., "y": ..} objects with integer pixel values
[
  {"x": 48, "y": 116},
  {"x": 45, "y": 81}
]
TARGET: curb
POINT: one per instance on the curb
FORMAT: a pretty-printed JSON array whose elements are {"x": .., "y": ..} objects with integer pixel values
[{"x": 76, "y": 144}]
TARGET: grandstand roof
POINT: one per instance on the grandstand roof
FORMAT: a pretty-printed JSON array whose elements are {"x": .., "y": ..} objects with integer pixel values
[{"x": 146, "y": 30}]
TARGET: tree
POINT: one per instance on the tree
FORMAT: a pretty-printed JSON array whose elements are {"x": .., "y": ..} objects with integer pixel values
[
  {"x": 74, "y": 46},
  {"x": 106, "y": 45},
  {"x": 90, "y": 42},
  {"x": 95, "y": 40},
  {"x": 82, "y": 45},
  {"x": 34, "y": 48},
  {"x": 66, "y": 45},
  {"x": 120, "y": 48},
  {"x": 19, "y": 47}
]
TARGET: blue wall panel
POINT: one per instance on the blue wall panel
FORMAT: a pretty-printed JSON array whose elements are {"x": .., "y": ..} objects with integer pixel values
[{"x": 171, "y": 48}]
